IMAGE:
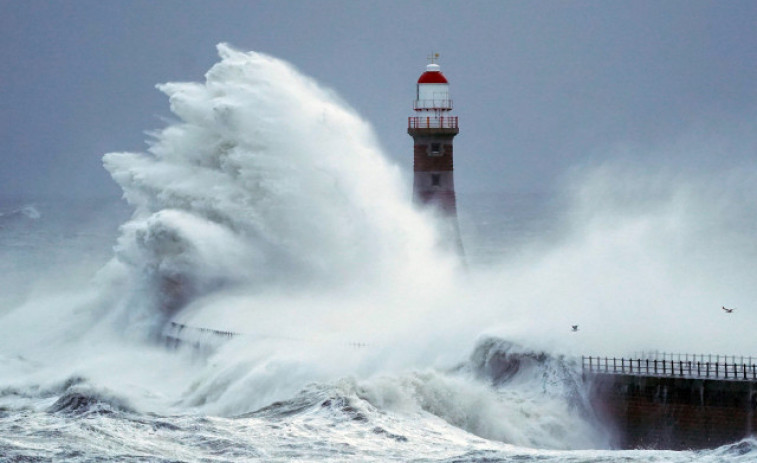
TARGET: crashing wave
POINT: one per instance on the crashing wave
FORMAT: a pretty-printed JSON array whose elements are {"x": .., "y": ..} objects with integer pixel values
[
  {"x": 80, "y": 402},
  {"x": 261, "y": 186},
  {"x": 532, "y": 406}
]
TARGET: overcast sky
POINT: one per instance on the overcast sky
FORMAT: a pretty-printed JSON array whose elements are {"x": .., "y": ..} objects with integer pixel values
[{"x": 539, "y": 86}]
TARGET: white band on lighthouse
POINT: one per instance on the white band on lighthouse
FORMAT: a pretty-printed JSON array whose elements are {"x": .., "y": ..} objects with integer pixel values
[{"x": 433, "y": 97}]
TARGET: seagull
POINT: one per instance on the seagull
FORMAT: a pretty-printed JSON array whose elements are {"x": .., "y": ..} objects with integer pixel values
[
  {"x": 575, "y": 327},
  {"x": 729, "y": 310}
]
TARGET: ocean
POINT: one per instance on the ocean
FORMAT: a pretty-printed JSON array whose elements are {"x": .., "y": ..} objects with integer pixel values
[{"x": 268, "y": 211}]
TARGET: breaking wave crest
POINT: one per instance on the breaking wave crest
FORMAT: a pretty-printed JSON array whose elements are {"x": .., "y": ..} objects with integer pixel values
[
  {"x": 538, "y": 404},
  {"x": 82, "y": 401}
]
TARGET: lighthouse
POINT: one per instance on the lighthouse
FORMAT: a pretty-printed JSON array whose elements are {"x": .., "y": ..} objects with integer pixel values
[{"x": 433, "y": 129}]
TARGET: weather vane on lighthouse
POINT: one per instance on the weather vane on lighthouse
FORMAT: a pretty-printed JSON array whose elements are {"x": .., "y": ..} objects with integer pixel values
[{"x": 432, "y": 130}]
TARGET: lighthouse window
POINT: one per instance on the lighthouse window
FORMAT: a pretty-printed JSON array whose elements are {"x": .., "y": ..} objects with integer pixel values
[
  {"x": 436, "y": 179},
  {"x": 436, "y": 149}
]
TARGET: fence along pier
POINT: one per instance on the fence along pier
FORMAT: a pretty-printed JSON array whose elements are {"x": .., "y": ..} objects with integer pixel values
[
  {"x": 674, "y": 401},
  {"x": 734, "y": 368}
]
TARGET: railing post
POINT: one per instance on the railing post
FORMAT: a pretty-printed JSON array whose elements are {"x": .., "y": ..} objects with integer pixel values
[
  {"x": 614, "y": 366},
  {"x": 655, "y": 366},
  {"x": 699, "y": 369},
  {"x": 744, "y": 370}
]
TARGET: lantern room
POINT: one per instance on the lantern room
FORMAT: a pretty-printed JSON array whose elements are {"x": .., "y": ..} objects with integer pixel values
[{"x": 432, "y": 91}]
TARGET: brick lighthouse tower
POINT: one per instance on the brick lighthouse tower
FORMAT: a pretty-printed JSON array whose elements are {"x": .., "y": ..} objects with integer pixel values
[{"x": 432, "y": 130}]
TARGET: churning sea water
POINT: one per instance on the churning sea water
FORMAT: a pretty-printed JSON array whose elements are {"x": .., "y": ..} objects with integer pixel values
[{"x": 269, "y": 211}]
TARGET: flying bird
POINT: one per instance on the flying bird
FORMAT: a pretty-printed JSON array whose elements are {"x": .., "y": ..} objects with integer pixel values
[
  {"x": 729, "y": 310},
  {"x": 574, "y": 327}
]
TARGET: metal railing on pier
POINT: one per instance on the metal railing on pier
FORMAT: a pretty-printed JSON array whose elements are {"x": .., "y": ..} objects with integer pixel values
[
  {"x": 685, "y": 366},
  {"x": 678, "y": 357}
]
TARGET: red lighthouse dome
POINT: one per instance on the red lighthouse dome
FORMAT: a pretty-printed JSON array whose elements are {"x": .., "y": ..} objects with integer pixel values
[{"x": 433, "y": 75}]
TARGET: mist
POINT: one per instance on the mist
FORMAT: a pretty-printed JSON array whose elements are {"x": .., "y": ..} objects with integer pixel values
[{"x": 644, "y": 262}]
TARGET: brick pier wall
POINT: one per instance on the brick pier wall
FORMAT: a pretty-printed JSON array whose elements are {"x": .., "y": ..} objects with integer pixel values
[{"x": 674, "y": 413}]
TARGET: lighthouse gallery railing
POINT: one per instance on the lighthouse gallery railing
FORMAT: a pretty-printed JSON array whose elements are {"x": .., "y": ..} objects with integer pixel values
[{"x": 429, "y": 122}]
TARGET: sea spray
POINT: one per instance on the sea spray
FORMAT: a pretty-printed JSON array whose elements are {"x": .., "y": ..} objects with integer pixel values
[
  {"x": 268, "y": 181},
  {"x": 268, "y": 210},
  {"x": 305, "y": 246},
  {"x": 644, "y": 261}
]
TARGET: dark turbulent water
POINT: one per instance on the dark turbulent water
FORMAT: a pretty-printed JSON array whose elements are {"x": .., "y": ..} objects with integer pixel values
[{"x": 269, "y": 211}]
